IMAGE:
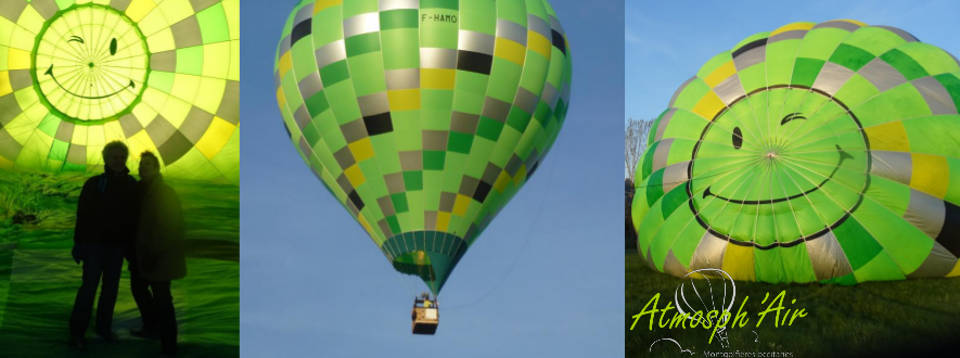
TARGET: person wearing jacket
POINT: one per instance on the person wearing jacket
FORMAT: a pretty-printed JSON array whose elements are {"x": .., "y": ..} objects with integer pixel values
[
  {"x": 159, "y": 251},
  {"x": 105, "y": 226}
]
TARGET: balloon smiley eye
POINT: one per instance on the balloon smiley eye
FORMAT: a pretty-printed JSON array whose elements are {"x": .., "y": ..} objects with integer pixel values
[
  {"x": 113, "y": 47},
  {"x": 737, "y": 138}
]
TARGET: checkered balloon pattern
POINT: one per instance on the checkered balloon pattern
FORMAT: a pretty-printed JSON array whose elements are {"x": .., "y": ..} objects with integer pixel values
[{"x": 423, "y": 117}]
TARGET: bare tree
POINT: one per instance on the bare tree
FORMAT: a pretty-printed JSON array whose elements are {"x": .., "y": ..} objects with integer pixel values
[{"x": 635, "y": 139}]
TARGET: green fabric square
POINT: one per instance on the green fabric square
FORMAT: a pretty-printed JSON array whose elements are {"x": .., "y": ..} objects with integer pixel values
[
  {"x": 160, "y": 80},
  {"x": 518, "y": 119},
  {"x": 433, "y": 159},
  {"x": 49, "y": 125},
  {"x": 58, "y": 150},
  {"x": 673, "y": 199},
  {"x": 413, "y": 180},
  {"x": 399, "y": 202},
  {"x": 190, "y": 60},
  {"x": 394, "y": 225},
  {"x": 904, "y": 64},
  {"x": 857, "y": 243},
  {"x": 805, "y": 71},
  {"x": 213, "y": 24},
  {"x": 851, "y": 57},
  {"x": 361, "y": 44},
  {"x": 489, "y": 128},
  {"x": 952, "y": 84},
  {"x": 334, "y": 72},
  {"x": 445, "y": 4},
  {"x": 655, "y": 187},
  {"x": 317, "y": 103},
  {"x": 395, "y": 19},
  {"x": 460, "y": 142},
  {"x": 311, "y": 134},
  {"x": 542, "y": 114}
]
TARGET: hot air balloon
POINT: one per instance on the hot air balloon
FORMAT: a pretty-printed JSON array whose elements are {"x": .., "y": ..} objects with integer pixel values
[
  {"x": 821, "y": 152},
  {"x": 423, "y": 118},
  {"x": 158, "y": 75}
]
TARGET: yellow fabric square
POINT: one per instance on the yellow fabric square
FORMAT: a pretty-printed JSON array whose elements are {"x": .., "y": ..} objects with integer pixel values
[
  {"x": 5, "y": 164},
  {"x": 501, "y": 183},
  {"x": 792, "y": 27},
  {"x": 216, "y": 68},
  {"x": 113, "y": 131},
  {"x": 215, "y": 137},
  {"x": 143, "y": 112},
  {"x": 231, "y": 8},
  {"x": 709, "y": 106},
  {"x": 139, "y": 8},
  {"x": 5, "y": 86},
  {"x": 738, "y": 262},
  {"x": 461, "y": 204},
  {"x": 721, "y": 73},
  {"x": 354, "y": 175},
  {"x": 443, "y": 220},
  {"x": 890, "y": 136},
  {"x": 521, "y": 175},
  {"x": 30, "y": 19},
  {"x": 234, "y": 73},
  {"x": 18, "y": 59},
  {"x": 404, "y": 100},
  {"x": 174, "y": 11},
  {"x": 21, "y": 39},
  {"x": 361, "y": 149},
  {"x": 79, "y": 135},
  {"x": 161, "y": 41},
  {"x": 954, "y": 272},
  {"x": 539, "y": 44},
  {"x": 285, "y": 64},
  {"x": 185, "y": 87},
  {"x": 281, "y": 99},
  {"x": 319, "y": 5},
  {"x": 140, "y": 142},
  {"x": 437, "y": 78},
  {"x": 95, "y": 136},
  {"x": 366, "y": 225},
  {"x": 175, "y": 111},
  {"x": 509, "y": 50},
  {"x": 930, "y": 174},
  {"x": 210, "y": 94}
]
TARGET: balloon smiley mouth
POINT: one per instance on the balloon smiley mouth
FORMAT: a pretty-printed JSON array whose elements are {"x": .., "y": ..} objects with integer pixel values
[
  {"x": 49, "y": 72},
  {"x": 841, "y": 156}
]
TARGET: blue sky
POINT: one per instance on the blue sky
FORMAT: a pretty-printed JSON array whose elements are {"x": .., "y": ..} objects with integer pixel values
[
  {"x": 544, "y": 279},
  {"x": 667, "y": 41}
]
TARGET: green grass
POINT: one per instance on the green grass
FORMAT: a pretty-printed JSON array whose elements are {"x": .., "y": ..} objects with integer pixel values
[
  {"x": 39, "y": 280},
  {"x": 874, "y": 318}
]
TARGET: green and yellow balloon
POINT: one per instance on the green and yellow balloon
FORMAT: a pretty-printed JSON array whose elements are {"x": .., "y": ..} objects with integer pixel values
[
  {"x": 158, "y": 75},
  {"x": 423, "y": 117},
  {"x": 815, "y": 152}
]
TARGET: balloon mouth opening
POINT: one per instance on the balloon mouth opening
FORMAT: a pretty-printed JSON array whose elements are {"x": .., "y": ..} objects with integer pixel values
[{"x": 430, "y": 255}]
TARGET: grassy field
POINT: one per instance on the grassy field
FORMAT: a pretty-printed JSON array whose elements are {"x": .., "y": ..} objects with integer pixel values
[
  {"x": 39, "y": 280},
  {"x": 898, "y": 318}
]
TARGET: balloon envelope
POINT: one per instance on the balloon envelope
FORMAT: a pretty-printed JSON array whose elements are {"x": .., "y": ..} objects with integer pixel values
[
  {"x": 813, "y": 152},
  {"x": 423, "y": 118},
  {"x": 161, "y": 76}
]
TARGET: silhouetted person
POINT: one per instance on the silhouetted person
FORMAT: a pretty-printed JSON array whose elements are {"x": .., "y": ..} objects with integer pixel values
[
  {"x": 159, "y": 252},
  {"x": 106, "y": 219}
]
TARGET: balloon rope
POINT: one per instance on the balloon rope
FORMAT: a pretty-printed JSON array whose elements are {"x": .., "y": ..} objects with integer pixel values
[{"x": 523, "y": 248}]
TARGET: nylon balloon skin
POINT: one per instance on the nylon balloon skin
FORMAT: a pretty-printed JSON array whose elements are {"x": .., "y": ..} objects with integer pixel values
[
  {"x": 161, "y": 76},
  {"x": 423, "y": 118},
  {"x": 825, "y": 152}
]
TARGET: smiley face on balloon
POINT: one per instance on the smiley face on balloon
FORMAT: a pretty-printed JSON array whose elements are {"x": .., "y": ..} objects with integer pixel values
[
  {"x": 90, "y": 63},
  {"x": 789, "y": 160}
]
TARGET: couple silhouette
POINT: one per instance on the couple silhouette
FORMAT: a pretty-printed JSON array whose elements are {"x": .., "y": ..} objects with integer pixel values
[{"x": 120, "y": 218}]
